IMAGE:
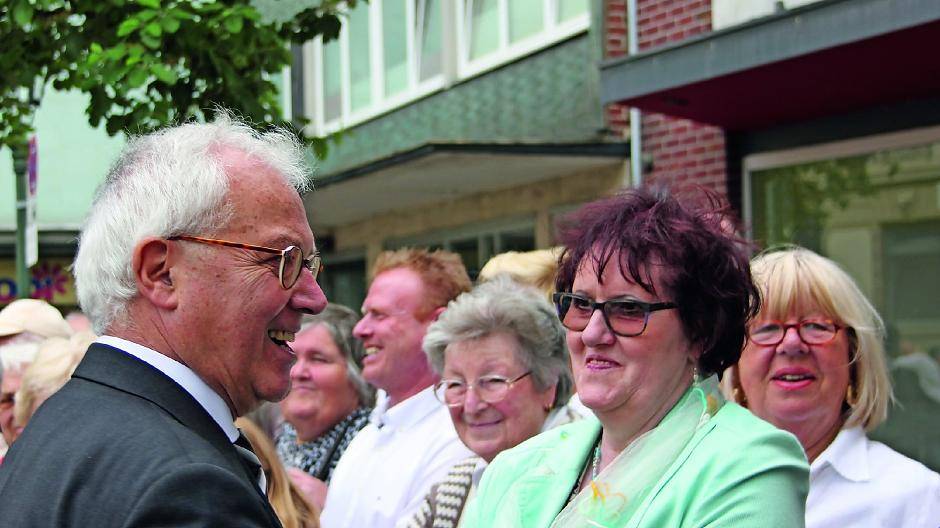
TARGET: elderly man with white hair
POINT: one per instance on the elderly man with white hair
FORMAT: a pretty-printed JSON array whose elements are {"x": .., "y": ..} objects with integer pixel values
[
  {"x": 195, "y": 264},
  {"x": 24, "y": 324}
]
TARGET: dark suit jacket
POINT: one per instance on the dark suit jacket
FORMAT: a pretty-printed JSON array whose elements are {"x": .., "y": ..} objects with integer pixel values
[{"x": 123, "y": 445}]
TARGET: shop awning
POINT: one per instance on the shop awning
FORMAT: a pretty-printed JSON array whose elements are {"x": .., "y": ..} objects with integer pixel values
[{"x": 825, "y": 58}]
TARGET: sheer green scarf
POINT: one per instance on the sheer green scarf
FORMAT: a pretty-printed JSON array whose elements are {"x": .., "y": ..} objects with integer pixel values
[{"x": 621, "y": 488}]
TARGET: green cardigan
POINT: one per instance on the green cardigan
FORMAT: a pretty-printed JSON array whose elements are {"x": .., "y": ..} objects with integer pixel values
[{"x": 737, "y": 471}]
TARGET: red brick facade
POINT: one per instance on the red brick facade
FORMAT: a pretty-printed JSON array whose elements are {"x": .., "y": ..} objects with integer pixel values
[
  {"x": 680, "y": 151},
  {"x": 662, "y": 22}
]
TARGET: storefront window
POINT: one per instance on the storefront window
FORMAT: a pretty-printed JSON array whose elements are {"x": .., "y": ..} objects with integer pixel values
[{"x": 878, "y": 215}]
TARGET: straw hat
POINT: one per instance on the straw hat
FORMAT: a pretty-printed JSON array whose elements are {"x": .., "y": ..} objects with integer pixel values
[{"x": 34, "y": 316}]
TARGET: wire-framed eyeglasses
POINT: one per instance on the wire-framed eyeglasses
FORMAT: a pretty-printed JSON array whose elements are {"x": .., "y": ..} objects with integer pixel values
[
  {"x": 291, "y": 264},
  {"x": 624, "y": 317},
  {"x": 491, "y": 389},
  {"x": 810, "y": 331}
]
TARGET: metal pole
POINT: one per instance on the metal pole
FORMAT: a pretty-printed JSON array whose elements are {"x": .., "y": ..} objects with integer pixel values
[
  {"x": 636, "y": 131},
  {"x": 23, "y": 282}
]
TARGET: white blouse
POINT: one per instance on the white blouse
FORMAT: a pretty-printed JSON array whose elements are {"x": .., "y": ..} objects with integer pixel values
[{"x": 856, "y": 482}]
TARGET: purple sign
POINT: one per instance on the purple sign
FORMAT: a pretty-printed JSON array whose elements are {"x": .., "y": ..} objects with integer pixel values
[{"x": 32, "y": 165}]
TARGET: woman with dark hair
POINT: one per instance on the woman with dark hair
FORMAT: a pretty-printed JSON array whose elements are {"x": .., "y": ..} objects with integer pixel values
[{"x": 655, "y": 294}]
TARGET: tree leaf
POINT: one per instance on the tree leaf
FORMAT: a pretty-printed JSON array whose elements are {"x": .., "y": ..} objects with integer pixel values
[
  {"x": 153, "y": 4},
  {"x": 234, "y": 23},
  {"x": 151, "y": 42},
  {"x": 170, "y": 25},
  {"x": 164, "y": 73},
  {"x": 154, "y": 29},
  {"x": 128, "y": 26},
  {"x": 22, "y": 13},
  {"x": 137, "y": 77}
]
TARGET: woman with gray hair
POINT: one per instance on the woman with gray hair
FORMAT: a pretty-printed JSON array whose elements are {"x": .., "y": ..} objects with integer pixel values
[
  {"x": 329, "y": 402},
  {"x": 501, "y": 353}
]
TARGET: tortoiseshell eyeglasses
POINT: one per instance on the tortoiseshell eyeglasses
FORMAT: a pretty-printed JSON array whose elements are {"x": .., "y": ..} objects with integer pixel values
[{"x": 291, "y": 264}]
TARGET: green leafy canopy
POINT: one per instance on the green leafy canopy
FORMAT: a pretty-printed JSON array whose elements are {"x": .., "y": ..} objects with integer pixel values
[{"x": 146, "y": 63}]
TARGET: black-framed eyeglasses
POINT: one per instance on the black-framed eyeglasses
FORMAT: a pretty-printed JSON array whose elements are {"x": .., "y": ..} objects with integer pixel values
[
  {"x": 811, "y": 331},
  {"x": 291, "y": 264},
  {"x": 491, "y": 389},
  {"x": 624, "y": 317}
]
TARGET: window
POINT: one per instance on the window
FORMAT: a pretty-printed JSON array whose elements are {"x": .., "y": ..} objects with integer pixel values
[
  {"x": 360, "y": 64},
  {"x": 390, "y": 52},
  {"x": 873, "y": 206},
  {"x": 477, "y": 244},
  {"x": 493, "y": 32},
  {"x": 343, "y": 279}
]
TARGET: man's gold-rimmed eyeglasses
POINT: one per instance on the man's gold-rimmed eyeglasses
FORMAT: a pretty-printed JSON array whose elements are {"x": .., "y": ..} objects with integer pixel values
[
  {"x": 491, "y": 389},
  {"x": 291, "y": 264}
]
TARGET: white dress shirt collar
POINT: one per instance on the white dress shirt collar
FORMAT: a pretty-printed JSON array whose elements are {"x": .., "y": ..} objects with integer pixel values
[
  {"x": 847, "y": 454},
  {"x": 184, "y": 377},
  {"x": 407, "y": 413}
]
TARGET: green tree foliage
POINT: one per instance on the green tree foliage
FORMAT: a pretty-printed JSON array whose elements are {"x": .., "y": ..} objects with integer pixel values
[{"x": 145, "y": 63}]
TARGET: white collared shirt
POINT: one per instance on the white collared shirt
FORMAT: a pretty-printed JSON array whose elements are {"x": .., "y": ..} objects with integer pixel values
[
  {"x": 390, "y": 466},
  {"x": 860, "y": 483}
]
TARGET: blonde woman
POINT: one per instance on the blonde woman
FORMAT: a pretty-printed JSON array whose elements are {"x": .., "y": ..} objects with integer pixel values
[
  {"x": 814, "y": 365},
  {"x": 52, "y": 367},
  {"x": 292, "y": 507},
  {"x": 536, "y": 268}
]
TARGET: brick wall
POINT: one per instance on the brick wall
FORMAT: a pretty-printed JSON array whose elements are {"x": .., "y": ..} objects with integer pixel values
[
  {"x": 617, "y": 116},
  {"x": 680, "y": 151},
  {"x": 684, "y": 152},
  {"x": 663, "y": 21}
]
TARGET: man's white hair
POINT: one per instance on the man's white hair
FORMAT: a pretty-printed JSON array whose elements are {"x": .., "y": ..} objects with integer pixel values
[{"x": 168, "y": 183}]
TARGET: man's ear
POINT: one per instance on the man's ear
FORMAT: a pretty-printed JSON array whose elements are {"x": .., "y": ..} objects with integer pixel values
[{"x": 151, "y": 263}]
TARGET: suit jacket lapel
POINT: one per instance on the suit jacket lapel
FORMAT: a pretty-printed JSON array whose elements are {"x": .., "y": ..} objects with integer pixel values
[
  {"x": 553, "y": 477},
  {"x": 119, "y": 370}
]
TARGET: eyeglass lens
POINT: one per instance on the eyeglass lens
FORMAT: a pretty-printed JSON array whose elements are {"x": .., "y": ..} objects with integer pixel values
[
  {"x": 810, "y": 332},
  {"x": 625, "y": 317},
  {"x": 491, "y": 390},
  {"x": 292, "y": 264}
]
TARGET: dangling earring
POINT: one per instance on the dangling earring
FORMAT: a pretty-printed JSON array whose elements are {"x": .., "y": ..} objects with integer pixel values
[
  {"x": 739, "y": 397},
  {"x": 850, "y": 397}
]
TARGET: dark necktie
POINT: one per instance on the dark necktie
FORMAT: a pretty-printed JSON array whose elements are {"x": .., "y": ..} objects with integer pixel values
[{"x": 243, "y": 446}]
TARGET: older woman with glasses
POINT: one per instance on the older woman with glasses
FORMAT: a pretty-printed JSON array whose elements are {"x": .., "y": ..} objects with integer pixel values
[
  {"x": 501, "y": 354},
  {"x": 655, "y": 294},
  {"x": 814, "y": 365}
]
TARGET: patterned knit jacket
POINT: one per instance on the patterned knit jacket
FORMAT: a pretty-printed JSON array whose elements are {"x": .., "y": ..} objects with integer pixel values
[{"x": 444, "y": 503}]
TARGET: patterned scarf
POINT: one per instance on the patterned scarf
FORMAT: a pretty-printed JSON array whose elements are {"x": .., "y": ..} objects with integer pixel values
[{"x": 319, "y": 456}]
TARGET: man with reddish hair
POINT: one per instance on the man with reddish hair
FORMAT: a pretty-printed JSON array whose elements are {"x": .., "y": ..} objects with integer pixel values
[{"x": 410, "y": 442}]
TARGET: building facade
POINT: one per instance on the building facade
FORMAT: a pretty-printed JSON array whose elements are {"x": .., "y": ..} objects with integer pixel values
[{"x": 467, "y": 125}]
